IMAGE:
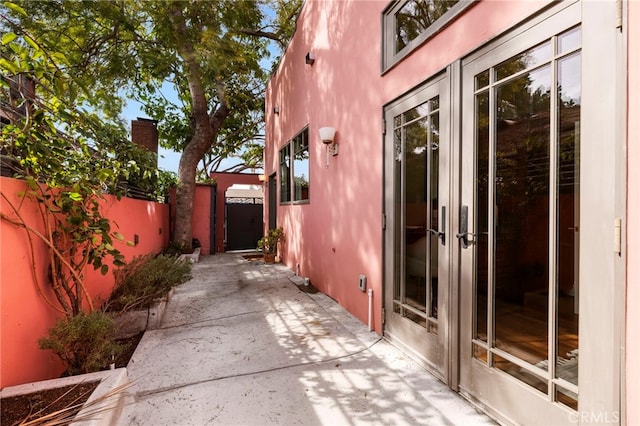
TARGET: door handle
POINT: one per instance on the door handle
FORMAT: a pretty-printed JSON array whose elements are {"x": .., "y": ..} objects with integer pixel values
[
  {"x": 463, "y": 235},
  {"x": 437, "y": 233}
]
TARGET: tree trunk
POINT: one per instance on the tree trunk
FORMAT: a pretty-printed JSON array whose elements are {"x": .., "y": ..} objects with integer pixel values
[
  {"x": 185, "y": 193},
  {"x": 205, "y": 131}
]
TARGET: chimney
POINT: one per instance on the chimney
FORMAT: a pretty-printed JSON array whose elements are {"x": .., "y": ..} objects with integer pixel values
[
  {"x": 144, "y": 133},
  {"x": 22, "y": 93}
]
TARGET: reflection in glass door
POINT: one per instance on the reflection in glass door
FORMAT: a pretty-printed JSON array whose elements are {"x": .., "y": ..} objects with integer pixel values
[
  {"x": 526, "y": 194},
  {"x": 416, "y": 135},
  {"x": 417, "y": 152}
]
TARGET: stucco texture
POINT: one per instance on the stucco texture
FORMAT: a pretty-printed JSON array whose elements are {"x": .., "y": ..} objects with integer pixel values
[
  {"x": 25, "y": 314},
  {"x": 338, "y": 235}
]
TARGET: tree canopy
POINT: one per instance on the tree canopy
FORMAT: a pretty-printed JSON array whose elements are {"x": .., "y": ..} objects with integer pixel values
[{"x": 212, "y": 54}]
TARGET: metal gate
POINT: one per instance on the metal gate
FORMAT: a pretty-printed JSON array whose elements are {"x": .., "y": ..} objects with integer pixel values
[{"x": 243, "y": 223}]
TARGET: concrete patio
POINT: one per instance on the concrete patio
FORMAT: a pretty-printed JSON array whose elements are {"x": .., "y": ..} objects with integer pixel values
[{"x": 241, "y": 344}]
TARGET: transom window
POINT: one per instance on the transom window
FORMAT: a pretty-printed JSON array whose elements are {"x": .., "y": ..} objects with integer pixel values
[
  {"x": 294, "y": 169},
  {"x": 408, "y": 23}
]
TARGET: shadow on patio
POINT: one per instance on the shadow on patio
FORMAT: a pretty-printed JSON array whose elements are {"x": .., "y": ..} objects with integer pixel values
[{"x": 240, "y": 344}]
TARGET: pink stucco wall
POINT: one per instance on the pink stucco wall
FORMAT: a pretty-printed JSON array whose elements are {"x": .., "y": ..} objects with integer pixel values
[
  {"x": 338, "y": 235},
  {"x": 202, "y": 220},
  {"x": 24, "y": 314},
  {"x": 201, "y": 216},
  {"x": 633, "y": 219}
]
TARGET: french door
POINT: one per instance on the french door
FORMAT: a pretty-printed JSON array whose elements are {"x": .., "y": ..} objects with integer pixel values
[
  {"x": 418, "y": 241},
  {"x": 528, "y": 305},
  {"x": 502, "y": 197}
]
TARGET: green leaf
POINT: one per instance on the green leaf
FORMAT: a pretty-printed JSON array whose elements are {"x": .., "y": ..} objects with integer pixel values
[
  {"x": 104, "y": 269},
  {"x": 31, "y": 42},
  {"x": 75, "y": 196},
  {"x": 118, "y": 236},
  {"x": 9, "y": 66},
  {"x": 8, "y": 38},
  {"x": 15, "y": 8}
]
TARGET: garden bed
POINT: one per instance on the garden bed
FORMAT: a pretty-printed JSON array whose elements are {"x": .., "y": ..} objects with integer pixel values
[
  {"x": 36, "y": 400},
  {"x": 103, "y": 393}
]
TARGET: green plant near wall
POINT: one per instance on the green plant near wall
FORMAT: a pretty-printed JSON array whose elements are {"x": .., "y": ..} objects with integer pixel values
[
  {"x": 269, "y": 243},
  {"x": 70, "y": 152},
  {"x": 86, "y": 342},
  {"x": 146, "y": 279}
]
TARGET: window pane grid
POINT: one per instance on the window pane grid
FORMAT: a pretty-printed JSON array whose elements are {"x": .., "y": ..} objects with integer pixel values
[
  {"x": 301, "y": 167},
  {"x": 285, "y": 170},
  {"x": 416, "y": 146},
  {"x": 538, "y": 92}
]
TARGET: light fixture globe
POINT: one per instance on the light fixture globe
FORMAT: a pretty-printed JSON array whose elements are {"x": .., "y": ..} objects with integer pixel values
[{"x": 327, "y": 134}]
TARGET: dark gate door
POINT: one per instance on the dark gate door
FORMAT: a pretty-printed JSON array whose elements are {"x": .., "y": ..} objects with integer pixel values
[
  {"x": 244, "y": 224},
  {"x": 273, "y": 202}
]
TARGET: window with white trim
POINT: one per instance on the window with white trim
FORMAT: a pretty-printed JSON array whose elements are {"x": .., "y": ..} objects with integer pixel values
[
  {"x": 409, "y": 23},
  {"x": 294, "y": 169}
]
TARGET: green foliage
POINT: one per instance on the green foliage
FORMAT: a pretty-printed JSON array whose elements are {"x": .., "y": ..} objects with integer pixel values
[
  {"x": 269, "y": 243},
  {"x": 165, "y": 181},
  {"x": 66, "y": 173},
  {"x": 211, "y": 54},
  {"x": 146, "y": 279},
  {"x": 173, "y": 250},
  {"x": 85, "y": 343},
  {"x": 68, "y": 154}
]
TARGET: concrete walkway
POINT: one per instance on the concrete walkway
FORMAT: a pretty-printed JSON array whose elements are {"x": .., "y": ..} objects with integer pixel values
[{"x": 241, "y": 345}]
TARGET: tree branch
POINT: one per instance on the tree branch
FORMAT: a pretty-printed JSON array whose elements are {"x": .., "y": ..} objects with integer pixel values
[{"x": 263, "y": 34}]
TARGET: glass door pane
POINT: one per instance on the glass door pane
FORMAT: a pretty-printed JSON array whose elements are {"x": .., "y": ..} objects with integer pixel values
[
  {"x": 521, "y": 216},
  {"x": 417, "y": 276},
  {"x": 568, "y": 205},
  {"x": 526, "y": 193},
  {"x": 416, "y": 296}
]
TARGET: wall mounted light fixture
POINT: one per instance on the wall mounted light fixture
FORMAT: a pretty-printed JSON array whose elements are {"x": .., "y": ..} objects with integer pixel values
[
  {"x": 327, "y": 136},
  {"x": 310, "y": 58}
]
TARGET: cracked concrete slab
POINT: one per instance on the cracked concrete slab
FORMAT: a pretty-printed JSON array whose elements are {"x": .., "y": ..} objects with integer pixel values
[{"x": 240, "y": 344}]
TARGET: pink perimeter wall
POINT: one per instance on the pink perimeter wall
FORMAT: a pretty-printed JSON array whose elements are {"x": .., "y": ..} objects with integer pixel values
[
  {"x": 201, "y": 216},
  {"x": 338, "y": 235},
  {"x": 633, "y": 219},
  {"x": 202, "y": 220},
  {"x": 24, "y": 314}
]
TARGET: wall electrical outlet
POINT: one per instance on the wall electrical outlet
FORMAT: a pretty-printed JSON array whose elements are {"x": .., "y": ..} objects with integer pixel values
[{"x": 362, "y": 282}]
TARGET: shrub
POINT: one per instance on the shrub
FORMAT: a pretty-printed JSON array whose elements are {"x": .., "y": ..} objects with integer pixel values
[
  {"x": 269, "y": 243},
  {"x": 85, "y": 342},
  {"x": 146, "y": 279}
]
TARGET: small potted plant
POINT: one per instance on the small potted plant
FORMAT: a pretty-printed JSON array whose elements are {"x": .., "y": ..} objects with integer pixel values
[{"x": 269, "y": 244}]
